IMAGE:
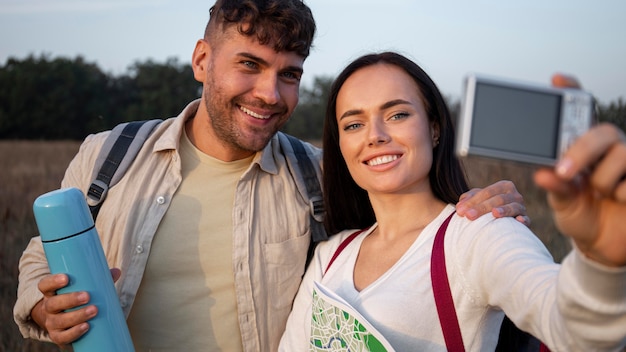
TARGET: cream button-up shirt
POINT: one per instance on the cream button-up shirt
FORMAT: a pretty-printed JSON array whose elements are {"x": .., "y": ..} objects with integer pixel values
[{"x": 270, "y": 238}]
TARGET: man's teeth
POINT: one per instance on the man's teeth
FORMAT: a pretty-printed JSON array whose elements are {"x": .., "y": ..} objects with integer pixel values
[
  {"x": 382, "y": 160},
  {"x": 254, "y": 114}
]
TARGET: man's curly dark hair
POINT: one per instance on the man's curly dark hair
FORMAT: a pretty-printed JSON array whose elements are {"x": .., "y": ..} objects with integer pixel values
[{"x": 286, "y": 25}]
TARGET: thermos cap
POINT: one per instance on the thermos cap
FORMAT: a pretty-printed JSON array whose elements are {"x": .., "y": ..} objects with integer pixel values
[{"x": 64, "y": 213}]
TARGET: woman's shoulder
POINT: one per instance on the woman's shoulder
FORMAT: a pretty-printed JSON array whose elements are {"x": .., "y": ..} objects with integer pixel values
[
  {"x": 489, "y": 232},
  {"x": 338, "y": 242},
  {"x": 488, "y": 221},
  {"x": 334, "y": 241}
]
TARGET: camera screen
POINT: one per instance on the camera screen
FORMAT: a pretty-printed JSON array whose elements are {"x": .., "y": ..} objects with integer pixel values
[{"x": 516, "y": 120}]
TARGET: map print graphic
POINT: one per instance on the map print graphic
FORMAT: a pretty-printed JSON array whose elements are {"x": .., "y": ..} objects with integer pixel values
[{"x": 336, "y": 329}]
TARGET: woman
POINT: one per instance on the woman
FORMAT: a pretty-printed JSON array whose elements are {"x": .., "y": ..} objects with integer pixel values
[{"x": 390, "y": 169}]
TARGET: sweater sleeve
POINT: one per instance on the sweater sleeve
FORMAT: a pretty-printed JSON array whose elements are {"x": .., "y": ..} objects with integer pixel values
[
  {"x": 592, "y": 299},
  {"x": 576, "y": 306}
]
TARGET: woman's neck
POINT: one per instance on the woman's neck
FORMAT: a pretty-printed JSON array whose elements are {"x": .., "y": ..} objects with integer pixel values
[{"x": 398, "y": 214}]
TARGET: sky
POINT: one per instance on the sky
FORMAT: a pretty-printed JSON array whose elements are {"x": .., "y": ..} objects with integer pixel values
[{"x": 525, "y": 40}]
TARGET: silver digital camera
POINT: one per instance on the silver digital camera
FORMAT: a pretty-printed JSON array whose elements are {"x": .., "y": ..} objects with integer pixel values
[{"x": 520, "y": 121}]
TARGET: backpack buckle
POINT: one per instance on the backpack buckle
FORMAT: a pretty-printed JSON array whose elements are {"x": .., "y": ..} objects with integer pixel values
[
  {"x": 97, "y": 192},
  {"x": 316, "y": 204}
]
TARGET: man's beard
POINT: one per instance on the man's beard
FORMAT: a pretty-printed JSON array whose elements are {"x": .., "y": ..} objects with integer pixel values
[{"x": 221, "y": 109}]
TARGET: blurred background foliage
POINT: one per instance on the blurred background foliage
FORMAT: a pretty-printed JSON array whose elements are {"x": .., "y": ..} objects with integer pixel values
[
  {"x": 45, "y": 98},
  {"x": 48, "y": 105}
]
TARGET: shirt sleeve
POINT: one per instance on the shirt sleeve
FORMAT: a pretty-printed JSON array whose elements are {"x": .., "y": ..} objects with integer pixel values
[
  {"x": 298, "y": 331},
  {"x": 33, "y": 265}
]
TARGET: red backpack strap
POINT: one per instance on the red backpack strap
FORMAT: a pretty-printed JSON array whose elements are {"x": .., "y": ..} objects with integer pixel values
[
  {"x": 342, "y": 246},
  {"x": 443, "y": 296}
]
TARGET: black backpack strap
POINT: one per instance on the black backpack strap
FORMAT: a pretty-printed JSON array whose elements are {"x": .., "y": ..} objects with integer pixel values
[
  {"x": 314, "y": 190},
  {"x": 117, "y": 154},
  {"x": 313, "y": 193}
]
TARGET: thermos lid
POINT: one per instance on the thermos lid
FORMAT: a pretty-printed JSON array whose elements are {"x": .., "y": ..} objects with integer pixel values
[{"x": 61, "y": 213}]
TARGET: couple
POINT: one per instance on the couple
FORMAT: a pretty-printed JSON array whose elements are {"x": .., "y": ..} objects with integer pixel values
[{"x": 208, "y": 228}]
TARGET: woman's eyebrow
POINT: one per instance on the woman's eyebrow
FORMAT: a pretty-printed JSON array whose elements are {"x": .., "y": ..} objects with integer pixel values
[
  {"x": 384, "y": 106},
  {"x": 393, "y": 103}
]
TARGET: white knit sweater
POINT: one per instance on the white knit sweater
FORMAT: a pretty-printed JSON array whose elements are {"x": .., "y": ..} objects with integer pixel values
[{"x": 494, "y": 265}]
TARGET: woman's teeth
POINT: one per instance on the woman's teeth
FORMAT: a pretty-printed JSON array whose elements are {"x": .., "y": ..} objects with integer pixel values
[{"x": 382, "y": 160}]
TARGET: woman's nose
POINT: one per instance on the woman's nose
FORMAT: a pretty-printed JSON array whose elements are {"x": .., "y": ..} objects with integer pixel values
[{"x": 378, "y": 135}]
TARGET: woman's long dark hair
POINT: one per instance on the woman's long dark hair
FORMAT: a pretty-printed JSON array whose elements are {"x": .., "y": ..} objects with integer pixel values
[{"x": 347, "y": 204}]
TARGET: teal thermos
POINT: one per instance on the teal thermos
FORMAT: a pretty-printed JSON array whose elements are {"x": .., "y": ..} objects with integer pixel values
[{"x": 72, "y": 246}]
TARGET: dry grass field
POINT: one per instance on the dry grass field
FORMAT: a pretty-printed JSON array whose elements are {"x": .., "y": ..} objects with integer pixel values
[{"x": 29, "y": 169}]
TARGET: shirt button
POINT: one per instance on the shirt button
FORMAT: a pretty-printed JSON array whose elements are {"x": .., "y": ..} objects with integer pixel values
[
  {"x": 139, "y": 249},
  {"x": 160, "y": 200}
]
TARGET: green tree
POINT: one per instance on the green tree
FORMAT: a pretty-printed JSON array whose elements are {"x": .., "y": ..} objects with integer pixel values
[
  {"x": 615, "y": 113},
  {"x": 45, "y": 98},
  {"x": 153, "y": 90},
  {"x": 307, "y": 121}
]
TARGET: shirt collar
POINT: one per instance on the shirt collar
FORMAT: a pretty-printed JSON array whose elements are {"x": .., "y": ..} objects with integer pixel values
[
  {"x": 266, "y": 158},
  {"x": 170, "y": 138}
]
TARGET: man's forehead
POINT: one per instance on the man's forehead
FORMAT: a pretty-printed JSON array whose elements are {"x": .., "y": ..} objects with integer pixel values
[
  {"x": 249, "y": 46},
  {"x": 231, "y": 31}
]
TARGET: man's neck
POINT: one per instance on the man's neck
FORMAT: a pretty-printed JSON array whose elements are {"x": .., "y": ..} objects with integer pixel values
[{"x": 202, "y": 137}]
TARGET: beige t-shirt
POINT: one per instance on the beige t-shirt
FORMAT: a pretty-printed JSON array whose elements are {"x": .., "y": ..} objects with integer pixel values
[{"x": 188, "y": 287}]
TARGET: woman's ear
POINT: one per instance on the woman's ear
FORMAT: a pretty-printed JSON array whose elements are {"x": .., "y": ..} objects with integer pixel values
[
  {"x": 200, "y": 60},
  {"x": 434, "y": 133}
]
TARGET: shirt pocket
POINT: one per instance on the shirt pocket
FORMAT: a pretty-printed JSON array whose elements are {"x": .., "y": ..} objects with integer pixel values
[{"x": 285, "y": 267}]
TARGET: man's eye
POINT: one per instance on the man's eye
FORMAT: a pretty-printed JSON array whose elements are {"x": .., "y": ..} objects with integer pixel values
[
  {"x": 292, "y": 75},
  {"x": 250, "y": 64}
]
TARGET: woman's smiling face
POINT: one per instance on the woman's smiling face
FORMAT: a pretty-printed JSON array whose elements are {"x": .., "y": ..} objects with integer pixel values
[{"x": 384, "y": 133}]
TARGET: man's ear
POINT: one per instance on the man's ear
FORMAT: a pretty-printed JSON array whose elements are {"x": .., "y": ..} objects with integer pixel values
[{"x": 200, "y": 59}]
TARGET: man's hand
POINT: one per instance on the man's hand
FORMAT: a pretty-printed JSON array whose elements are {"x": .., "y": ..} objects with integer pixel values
[
  {"x": 501, "y": 199},
  {"x": 50, "y": 313}
]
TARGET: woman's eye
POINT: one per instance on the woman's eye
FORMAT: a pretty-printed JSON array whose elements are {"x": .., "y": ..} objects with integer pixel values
[
  {"x": 399, "y": 116},
  {"x": 351, "y": 126}
]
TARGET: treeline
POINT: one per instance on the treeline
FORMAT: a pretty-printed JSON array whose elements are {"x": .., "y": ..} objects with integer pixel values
[
  {"x": 61, "y": 98},
  {"x": 43, "y": 98}
]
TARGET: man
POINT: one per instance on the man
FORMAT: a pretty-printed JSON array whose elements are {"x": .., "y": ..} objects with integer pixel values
[{"x": 208, "y": 227}]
